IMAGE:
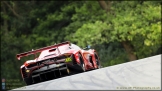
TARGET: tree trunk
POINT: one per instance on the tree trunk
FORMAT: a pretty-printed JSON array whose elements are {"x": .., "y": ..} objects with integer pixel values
[
  {"x": 12, "y": 9},
  {"x": 5, "y": 24},
  {"x": 128, "y": 47},
  {"x": 130, "y": 50},
  {"x": 104, "y": 5}
]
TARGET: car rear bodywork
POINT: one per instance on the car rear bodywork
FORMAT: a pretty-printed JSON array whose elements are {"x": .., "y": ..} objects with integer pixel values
[{"x": 57, "y": 61}]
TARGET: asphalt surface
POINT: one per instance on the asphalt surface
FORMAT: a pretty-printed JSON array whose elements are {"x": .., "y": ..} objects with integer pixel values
[{"x": 143, "y": 74}]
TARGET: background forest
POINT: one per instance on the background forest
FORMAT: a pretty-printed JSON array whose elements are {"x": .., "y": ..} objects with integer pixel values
[{"x": 121, "y": 31}]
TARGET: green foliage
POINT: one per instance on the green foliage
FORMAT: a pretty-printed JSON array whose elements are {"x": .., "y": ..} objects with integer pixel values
[
  {"x": 35, "y": 24},
  {"x": 138, "y": 23},
  {"x": 111, "y": 54}
]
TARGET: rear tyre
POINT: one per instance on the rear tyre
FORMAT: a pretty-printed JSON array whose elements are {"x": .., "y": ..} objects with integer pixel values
[
  {"x": 28, "y": 81},
  {"x": 97, "y": 61},
  {"x": 82, "y": 65}
]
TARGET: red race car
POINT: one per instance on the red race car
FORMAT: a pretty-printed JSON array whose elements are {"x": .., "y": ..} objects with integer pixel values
[{"x": 57, "y": 61}]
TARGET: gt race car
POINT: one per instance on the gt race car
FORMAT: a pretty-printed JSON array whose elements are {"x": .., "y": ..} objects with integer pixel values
[{"x": 57, "y": 61}]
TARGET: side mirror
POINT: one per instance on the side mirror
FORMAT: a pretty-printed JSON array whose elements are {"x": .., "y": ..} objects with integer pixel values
[{"x": 88, "y": 46}]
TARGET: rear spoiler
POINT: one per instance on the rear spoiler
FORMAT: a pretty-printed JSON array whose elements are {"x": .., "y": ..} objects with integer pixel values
[{"x": 40, "y": 50}]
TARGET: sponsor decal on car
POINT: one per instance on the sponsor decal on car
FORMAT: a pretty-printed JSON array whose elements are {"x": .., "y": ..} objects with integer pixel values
[{"x": 69, "y": 59}]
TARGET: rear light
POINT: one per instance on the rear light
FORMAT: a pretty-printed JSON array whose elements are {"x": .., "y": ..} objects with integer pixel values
[
  {"x": 31, "y": 65},
  {"x": 26, "y": 64}
]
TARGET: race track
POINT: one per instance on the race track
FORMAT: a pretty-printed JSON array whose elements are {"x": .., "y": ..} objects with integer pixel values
[{"x": 140, "y": 74}]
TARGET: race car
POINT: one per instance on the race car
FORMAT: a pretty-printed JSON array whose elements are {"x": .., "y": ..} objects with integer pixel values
[{"x": 57, "y": 61}]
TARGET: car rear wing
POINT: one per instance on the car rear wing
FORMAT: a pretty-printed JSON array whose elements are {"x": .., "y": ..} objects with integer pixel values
[{"x": 40, "y": 50}]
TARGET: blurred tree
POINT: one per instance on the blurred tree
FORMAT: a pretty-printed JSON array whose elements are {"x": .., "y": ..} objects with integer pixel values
[
  {"x": 136, "y": 26},
  {"x": 116, "y": 29}
]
